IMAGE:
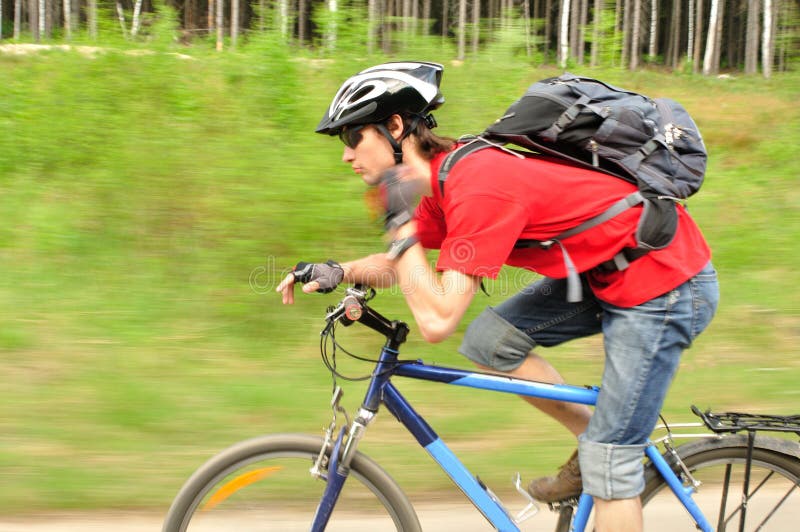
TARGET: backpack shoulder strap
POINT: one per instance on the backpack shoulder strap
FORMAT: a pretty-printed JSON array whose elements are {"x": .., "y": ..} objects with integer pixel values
[
  {"x": 620, "y": 261},
  {"x": 473, "y": 145}
]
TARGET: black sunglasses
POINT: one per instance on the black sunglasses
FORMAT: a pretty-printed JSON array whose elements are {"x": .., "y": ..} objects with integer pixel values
[{"x": 351, "y": 136}]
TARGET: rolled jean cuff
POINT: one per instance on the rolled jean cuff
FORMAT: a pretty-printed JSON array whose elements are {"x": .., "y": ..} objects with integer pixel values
[
  {"x": 492, "y": 341},
  {"x": 611, "y": 471}
]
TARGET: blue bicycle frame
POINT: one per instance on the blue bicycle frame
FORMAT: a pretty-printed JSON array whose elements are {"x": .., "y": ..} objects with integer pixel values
[{"x": 382, "y": 391}]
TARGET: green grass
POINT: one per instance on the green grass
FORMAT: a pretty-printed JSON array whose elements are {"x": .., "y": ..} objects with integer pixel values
[{"x": 150, "y": 203}]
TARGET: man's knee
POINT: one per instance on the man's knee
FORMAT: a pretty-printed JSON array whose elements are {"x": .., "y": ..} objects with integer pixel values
[{"x": 492, "y": 341}]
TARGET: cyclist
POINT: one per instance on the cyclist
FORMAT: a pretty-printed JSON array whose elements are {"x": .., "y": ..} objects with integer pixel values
[{"x": 648, "y": 313}]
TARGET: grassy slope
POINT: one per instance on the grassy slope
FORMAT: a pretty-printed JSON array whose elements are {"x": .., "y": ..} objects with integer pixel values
[{"x": 150, "y": 204}]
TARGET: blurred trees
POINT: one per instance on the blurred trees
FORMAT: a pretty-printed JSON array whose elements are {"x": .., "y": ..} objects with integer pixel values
[{"x": 707, "y": 35}]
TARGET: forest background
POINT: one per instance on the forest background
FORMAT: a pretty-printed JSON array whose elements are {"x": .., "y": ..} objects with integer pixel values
[
  {"x": 153, "y": 192},
  {"x": 701, "y": 35}
]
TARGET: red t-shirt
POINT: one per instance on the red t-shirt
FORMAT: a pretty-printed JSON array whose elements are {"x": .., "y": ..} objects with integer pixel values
[{"x": 493, "y": 199}]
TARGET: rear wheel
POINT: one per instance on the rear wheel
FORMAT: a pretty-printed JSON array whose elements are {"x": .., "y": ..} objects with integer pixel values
[
  {"x": 773, "y": 501},
  {"x": 265, "y": 484}
]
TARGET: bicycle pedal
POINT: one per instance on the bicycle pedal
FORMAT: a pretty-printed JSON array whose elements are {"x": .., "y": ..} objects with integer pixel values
[
  {"x": 560, "y": 505},
  {"x": 531, "y": 508}
]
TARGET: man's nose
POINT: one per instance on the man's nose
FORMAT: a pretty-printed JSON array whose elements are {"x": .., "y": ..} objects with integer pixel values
[{"x": 348, "y": 154}]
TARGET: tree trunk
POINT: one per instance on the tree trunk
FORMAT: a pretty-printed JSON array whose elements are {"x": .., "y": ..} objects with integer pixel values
[
  {"x": 698, "y": 36},
  {"x": 445, "y": 18},
  {"x": 121, "y": 17},
  {"x": 33, "y": 20},
  {"x": 384, "y": 14},
  {"x": 533, "y": 31},
  {"x": 301, "y": 21},
  {"x": 372, "y": 24},
  {"x": 282, "y": 14},
  {"x": 675, "y": 48},
  {"x": 42, "y": 19},
  {"x": 548, "y": 23},
  {"x": 767, "y": 41},
  {"x": 220, "y": 30},
  {"x": 635, "y": 23},
  {"x": 188, "y": 15},
  {"x": 690, "y": 31},
  {"x": 733, "y": 32},
  {"x": 93, "y": 19},
  {"x": 708, "y": 57},
  {"x": 652, "y": 48},
  {"x": 462, "y": 23},
  {"x": 582, "y": 20},
  {"x": 563, "y": 34},
  {"x": 718, "y": 48},
  {"x": 137, "y": 11},
  {"x": 234, "y": 22},
  {"x": 574, "y": 26},
  {"x": 67, "y": 19},
  {"x": 476, "y": 25},
  {"x": 598, "y": 11},
  {"x": 751, "y": 38},
  {"x": 17, "y": 18},
  {"x": 333, "y": 29},
  {"x": 712, "y": 41},
  {"x": 626, "y": 32},
  {"x": 210, "y": 16}
]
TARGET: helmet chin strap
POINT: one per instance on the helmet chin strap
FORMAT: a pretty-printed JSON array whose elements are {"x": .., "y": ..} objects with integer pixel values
[{"x": 398, "y": 150}]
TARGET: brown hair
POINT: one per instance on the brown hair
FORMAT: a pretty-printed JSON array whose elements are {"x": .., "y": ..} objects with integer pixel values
[{"x": 428, "y": 143}]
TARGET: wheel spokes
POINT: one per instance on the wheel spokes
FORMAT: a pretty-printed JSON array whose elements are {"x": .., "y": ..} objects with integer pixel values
[{"x": 775, "y": 509}]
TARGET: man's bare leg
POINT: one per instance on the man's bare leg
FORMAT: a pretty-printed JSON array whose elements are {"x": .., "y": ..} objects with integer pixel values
[
  {"x": 575, "y": 417},
  {"x": 623, "y": 515}
]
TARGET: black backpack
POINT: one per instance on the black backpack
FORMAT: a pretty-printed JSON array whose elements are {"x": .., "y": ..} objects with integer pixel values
[{"x": 654, "y": 144}]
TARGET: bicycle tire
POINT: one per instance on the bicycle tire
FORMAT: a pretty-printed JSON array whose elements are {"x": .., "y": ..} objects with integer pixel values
[
  {"x": 720, "y": 464},
  {"x": 290, "y": 457}
]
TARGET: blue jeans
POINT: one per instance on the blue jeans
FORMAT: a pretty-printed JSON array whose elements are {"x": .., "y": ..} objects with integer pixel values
[{"x": 643, "y": 345}]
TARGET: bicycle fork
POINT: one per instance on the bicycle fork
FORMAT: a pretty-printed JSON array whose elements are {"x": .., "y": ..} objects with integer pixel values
[{"x": 333, "y": 462}]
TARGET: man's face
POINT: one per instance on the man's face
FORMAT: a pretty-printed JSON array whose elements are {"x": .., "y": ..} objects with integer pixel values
[{"x": 367, "y": 151}]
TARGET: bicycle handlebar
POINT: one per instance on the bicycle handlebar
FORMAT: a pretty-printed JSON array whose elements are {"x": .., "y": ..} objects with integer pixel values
[{"x": 353, "y": 308}]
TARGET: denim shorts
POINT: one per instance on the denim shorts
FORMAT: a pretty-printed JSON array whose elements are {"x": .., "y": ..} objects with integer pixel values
[{"x": 643, "y": 345}]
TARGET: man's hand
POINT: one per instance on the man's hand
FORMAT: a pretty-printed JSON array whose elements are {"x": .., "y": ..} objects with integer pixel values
[
  {"x": 400, "y": 195},
  {"x": 316, "y": 277}
]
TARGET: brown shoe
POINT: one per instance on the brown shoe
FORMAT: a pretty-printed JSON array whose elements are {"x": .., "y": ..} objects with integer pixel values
[{"x": 567, "y": 483}]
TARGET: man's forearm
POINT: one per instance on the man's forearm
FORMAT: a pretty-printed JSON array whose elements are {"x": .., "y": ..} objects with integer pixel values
[{"x": 374, "y": 270}]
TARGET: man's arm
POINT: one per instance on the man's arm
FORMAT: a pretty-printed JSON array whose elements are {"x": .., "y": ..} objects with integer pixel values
[
  {"x": 438, "y": 302},
  {"x": 375, "y": 270}
]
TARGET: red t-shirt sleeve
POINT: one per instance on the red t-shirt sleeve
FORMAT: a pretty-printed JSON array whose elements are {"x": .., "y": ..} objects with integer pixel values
[
  {"x": 431, "y": 228},
  {"x": 481, "y": 233}
]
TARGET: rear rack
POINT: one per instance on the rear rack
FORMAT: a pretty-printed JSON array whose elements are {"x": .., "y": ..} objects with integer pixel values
[{"x": 735, "y": 422}]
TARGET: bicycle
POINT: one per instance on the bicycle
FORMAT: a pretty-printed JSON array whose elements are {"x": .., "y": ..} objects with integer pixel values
[{"x": 265, "y": 481}]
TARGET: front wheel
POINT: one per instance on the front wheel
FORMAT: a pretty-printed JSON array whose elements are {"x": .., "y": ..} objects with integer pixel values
[
  {"x": 265, "y": 484},
  {"x": 773, "y": 502}
]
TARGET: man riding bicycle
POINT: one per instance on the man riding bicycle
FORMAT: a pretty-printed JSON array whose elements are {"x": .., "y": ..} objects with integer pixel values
[{"x": 648, "y": 312}]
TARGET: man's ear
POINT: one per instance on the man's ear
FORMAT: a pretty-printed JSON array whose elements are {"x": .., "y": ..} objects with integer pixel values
[{"x": 395, "y": 126}]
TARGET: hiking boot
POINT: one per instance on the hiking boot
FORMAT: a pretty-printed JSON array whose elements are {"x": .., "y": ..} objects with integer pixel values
[{"x": 566, "y": 484}]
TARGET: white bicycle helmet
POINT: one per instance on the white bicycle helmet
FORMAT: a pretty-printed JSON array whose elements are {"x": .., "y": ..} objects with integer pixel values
[{"x": 375, "y": 94}]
